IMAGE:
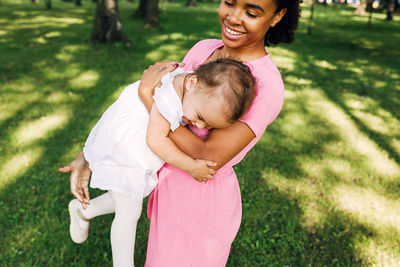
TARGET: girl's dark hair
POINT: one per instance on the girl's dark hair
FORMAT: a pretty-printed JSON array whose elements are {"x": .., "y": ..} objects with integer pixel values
[
  {"x": 283, "y": 31},
  {"x": 235, "y": 82}
]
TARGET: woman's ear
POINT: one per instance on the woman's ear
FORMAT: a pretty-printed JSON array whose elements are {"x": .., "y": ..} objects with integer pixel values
[
  {"x": 278, "y": 17},
  {"x": 191, "y": 82}
]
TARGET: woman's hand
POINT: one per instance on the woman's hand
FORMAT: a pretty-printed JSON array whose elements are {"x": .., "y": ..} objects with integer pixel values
[
  {"x": 79, "y": 179},
  {"x": 202, "y": 171},
  {"x": 151, "y": 78}
]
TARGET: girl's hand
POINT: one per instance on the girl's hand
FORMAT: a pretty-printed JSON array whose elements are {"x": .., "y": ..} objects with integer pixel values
[
  {"x": 151, "y": 78},
  {"x": 202, "y": 171},
  {"x": 79, "y": 178}
]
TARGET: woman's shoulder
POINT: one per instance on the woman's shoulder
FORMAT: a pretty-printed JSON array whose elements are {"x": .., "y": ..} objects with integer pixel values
[
  {"x": 265, "y": 70},
  {"x": 207, "y": 44},
  {"x": 200, "y": 52},
  {"x": 270, "y": 93}
]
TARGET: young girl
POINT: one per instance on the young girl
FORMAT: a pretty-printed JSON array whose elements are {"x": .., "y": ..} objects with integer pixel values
[{"x": 214, "y": 96}]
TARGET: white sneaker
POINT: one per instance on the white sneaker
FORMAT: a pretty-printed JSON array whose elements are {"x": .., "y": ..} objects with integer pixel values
[{"x": 78, "y": 233}]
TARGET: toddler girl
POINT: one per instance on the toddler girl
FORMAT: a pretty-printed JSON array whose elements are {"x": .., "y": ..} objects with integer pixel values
[{"x": 214, "y": 96}]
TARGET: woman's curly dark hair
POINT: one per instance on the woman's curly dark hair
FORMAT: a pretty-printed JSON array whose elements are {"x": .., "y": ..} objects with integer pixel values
[{"x": 283, "y": 31}]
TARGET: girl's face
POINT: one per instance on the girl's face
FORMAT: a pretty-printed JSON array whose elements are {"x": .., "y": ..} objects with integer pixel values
[
  {"x": 202, "y": 110},
  {"x": 244, "y": 23}
]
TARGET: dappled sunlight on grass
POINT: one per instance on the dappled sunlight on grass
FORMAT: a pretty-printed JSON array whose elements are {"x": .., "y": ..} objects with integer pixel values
[
  {"x": 17, "y": 164},
  {"x": 306, "y": 191},
  {"x": 171, "y": 50},
  {"x": 376, "y": 160},
  {"x": 325, "y": 64},
  {"x": 283, "y": 57},
  {"x": 67, "y": 52},
  {"x": 61, "y": 97},
  {"x": 30, "y": 132},
  {"x": 85, "y": 79},
  {"x": 379, "y": 214},
  {"x": 46, "y": 20},
  {"x": 53, "y": 34},
  {"x": 370, "y": 208}
]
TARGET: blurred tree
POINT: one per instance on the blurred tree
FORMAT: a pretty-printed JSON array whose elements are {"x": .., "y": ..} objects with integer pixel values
[
  {"x": 151, "y": 14},
  {"x": 78, "y": 2},
  {"x": 360, "y": 10},
  {"x": 47, "y": 4},
  {"x": 107, "y": 26},
  {"x": 148, "y": 10},
  {"x": 390, "y": 9},
  {"x": 35, "y": 1},
  {"x": 309, "y": 29},
  {"x": 370, "y": 9},
  {"x": 191, "y": 3},
  {"x": 141, "y": 11}
]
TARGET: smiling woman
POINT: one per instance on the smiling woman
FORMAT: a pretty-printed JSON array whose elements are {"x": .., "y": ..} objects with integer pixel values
[{"x": 192, "y": 223}]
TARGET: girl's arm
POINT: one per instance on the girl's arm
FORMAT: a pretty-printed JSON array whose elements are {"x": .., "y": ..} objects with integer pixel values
[
  {"x": 159, "y": 142},
  {"x": 220, "y": 146}
]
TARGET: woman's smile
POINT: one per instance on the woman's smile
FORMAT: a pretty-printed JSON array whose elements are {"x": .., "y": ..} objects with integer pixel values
[{"x": 231, "y": 33}]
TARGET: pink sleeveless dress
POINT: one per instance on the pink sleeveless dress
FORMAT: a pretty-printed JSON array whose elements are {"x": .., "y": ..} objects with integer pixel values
[{"x": 194, "y": 224}]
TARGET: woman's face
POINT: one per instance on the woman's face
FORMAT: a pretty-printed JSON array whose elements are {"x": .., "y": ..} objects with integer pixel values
[{"x": 244, "y": 23}]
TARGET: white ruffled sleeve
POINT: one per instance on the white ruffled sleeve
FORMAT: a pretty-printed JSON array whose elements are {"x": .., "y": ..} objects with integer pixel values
[{"x": 167, "y": 100}]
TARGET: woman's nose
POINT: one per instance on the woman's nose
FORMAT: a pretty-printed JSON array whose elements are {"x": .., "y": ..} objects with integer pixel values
[{"x": 234, "y": 17}]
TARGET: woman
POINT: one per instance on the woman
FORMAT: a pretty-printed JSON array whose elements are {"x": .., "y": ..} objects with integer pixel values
[{"x": 192, "y": 223}]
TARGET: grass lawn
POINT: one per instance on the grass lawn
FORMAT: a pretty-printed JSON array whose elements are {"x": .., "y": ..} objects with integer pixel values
[{"x": 321, "y": 188}]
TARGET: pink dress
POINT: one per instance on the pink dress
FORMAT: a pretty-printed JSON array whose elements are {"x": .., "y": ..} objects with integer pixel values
[{"x": 194, "y": 224}]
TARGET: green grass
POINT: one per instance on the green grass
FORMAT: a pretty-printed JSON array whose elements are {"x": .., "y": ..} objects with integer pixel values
[{"x": 320, "y": 189}]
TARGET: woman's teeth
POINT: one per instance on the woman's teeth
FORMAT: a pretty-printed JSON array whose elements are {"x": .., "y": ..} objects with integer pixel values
[{"x": 232, "y": 31}]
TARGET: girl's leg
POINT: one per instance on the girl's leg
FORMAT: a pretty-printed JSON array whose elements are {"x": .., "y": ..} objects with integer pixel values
[
  {"x": 123, "y": 229},
  {"x": 100, "y": 205}
]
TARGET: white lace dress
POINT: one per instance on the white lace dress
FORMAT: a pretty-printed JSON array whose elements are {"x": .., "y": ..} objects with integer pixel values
[{"x": 116, "y": 147}]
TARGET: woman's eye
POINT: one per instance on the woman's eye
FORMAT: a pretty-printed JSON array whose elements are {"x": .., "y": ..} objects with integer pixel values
[
  {"x": 228, "y": 3},
  {"x": 251, "y": 14}
]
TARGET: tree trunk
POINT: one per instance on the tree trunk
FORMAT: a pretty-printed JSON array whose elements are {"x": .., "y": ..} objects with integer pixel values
[
  {"x": 390, "y": 10},
  {"x": 325, "y": 3},
  {"x": 370, "y": 8},
  {"x": 151, "y": 15},
  {"x": 141, "y": 11},
  {"x": 78, "y": 2},
  {"x": 48, "y": 4},
  {"x": 191, "y": 3},
  {"x": 107, "y": 27},
  {"x": 361, "y": 8},
  {"x": 309, "y": 29},
  {"x": 35, "y": 1}
]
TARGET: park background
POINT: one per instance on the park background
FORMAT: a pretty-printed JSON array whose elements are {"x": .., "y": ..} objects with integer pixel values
[{"x": 321, "y": 188}]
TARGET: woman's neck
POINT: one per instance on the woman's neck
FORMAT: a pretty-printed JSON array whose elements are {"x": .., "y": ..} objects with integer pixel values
[{"x": 244, "y": 54}]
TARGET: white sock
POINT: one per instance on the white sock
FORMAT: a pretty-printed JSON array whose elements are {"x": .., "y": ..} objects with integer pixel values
[{"x": 123, "y": 229}]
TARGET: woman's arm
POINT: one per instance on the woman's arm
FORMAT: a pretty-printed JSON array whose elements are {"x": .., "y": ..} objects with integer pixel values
[
  {"x": 159, "y": 142},
  {"x": 220, "y": 146}
]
